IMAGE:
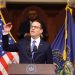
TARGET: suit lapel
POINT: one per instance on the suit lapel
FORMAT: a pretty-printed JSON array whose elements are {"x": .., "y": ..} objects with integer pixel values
[
  {"x": 40, "y": 48},
  {"x": 28, "y": 47}
]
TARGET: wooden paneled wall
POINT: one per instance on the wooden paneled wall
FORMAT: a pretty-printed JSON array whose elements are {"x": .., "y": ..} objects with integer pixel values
[{"x": 52, "y": 14}]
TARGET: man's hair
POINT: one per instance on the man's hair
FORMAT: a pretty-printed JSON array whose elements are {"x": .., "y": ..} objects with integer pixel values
[{"x": 41, "y": 23}]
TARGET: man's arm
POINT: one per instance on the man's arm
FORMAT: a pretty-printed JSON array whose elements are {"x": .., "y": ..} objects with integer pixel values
[
  {"x": 5, "y": 39},
  {"x": 6, "y": 46}
]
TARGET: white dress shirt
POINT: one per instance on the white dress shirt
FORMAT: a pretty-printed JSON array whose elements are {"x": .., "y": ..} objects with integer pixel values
[{"x": 36, "y": 43}]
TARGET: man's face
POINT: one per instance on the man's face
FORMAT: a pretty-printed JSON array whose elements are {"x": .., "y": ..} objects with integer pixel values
[
  {"x": 32, "y": 15},
  {"x": 35, "y": 30}
]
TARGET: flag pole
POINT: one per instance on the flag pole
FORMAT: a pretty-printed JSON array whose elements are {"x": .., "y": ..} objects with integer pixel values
[
  {"x": 64, "y": 52},
  {"x": 66, "y": 32},
  {"x": 65, "y": 40},
  {"x": 3, "y": 5}
]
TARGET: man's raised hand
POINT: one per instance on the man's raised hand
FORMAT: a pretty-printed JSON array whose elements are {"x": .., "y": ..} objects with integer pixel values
[{"x": 7, "y": 27}]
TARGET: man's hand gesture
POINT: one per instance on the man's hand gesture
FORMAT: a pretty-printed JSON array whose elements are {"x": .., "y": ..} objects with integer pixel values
[{"x": 7, "y": 27}]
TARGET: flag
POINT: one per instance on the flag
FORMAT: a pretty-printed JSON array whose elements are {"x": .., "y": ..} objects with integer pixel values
[
  {"x": 6, "y": 58},
  {"x": 65, "y": 66}
]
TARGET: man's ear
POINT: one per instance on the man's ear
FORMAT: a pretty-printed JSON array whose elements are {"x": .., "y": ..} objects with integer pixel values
[{"x": 41, "y": 31}]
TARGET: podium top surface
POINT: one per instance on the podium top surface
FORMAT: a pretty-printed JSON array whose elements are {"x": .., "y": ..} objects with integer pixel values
[{"x": 36, "y": 69}]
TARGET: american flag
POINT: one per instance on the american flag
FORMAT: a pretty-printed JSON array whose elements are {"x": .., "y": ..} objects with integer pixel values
[{"x": 6, "y": 58}]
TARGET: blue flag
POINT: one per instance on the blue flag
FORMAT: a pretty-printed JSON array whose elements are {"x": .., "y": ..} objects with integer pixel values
[{"x": 59, "y": 43}]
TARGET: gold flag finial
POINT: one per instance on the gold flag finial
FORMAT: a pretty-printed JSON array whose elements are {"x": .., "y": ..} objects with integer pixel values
[
  {"x": 71, "y": 3},
  {"x": 68, "y": 1},
  {"x": 2, "y": 3}
]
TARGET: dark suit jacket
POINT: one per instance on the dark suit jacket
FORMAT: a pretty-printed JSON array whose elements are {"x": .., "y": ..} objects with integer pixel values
[{"x": 42, "y": 55}]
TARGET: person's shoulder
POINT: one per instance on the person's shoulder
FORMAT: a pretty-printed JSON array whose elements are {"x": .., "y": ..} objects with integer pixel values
[
  {"x": 45, "y": 42},
  {"x": 26, "y": 21},
  {"x": 24, "y": 40}
]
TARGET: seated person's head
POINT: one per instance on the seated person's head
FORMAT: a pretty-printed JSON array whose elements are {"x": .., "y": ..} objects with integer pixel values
[{"x": 32, "y": 14}]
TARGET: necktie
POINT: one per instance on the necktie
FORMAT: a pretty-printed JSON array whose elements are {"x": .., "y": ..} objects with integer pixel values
[{"x": 32, "y": 48}]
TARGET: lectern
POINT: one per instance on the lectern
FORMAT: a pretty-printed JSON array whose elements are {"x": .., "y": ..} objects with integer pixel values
[{"x": 31, "y": 69}]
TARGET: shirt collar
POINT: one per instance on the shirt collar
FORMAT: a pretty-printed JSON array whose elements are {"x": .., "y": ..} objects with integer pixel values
[{"x": 37, "y": 41}]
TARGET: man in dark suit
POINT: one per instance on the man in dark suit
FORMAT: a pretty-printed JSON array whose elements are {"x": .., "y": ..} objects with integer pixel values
[{"x": 40, "y": 53}]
